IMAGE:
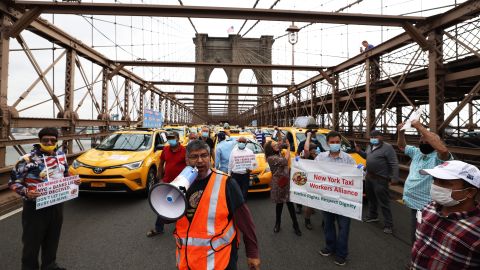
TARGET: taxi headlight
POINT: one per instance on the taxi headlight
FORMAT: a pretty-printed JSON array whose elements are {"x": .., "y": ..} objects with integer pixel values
[
  {"x": 76, "y": 164},
  {"x": 133, "y": 165}
]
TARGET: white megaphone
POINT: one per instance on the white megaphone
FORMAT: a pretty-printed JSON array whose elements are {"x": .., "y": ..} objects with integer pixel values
[{"x": 168, "y": 200}]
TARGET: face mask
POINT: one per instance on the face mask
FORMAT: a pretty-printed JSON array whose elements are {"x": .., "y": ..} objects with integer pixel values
[
  {"x": 241, "y": 146},
  {"x": 172, "y": 143},
  {"x": 48, "y": 148},
  {"x": 317, "y": 151},
  {"x": 426, "y": 148},
  {"x": 334, "y": 147},
  {"x": 205, "y": 134},
  {"x": 443, "y": 195},
  {"x": 374, "y": 141}
]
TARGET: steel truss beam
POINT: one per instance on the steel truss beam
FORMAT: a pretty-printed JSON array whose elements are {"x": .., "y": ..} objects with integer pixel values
[
  {"x": 461, "y": 12},
  {"x": 451, "y": 17},
  {"x": 63, "y": 138},
  {"x": 219, "y": 94},
  {"x": 209, "y": 99},
  {"x": 216, "y": 65},
  {"x": 63, "y": 39},
  {"x": 221, "y": 84},
  {"x": 218, "y": 13}
]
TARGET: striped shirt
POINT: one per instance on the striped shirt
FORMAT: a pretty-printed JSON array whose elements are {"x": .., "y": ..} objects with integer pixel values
[
  {"x": 260, "y": 137},
  {"x": 342, "y": 158},
  {"x": 416, "y": 192},
  {"x": 451, "y": 242}
]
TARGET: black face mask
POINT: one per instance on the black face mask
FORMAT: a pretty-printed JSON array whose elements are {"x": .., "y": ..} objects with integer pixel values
[{"x": 426, "y": 148}]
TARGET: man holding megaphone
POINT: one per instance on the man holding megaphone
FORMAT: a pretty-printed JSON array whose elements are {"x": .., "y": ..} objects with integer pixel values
[
  {"x": 172, "y": 162},
  {"x": 208, "y": 214}
]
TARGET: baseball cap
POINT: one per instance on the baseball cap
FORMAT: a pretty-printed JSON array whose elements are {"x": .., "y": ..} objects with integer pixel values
[
  {"x": 455, "y": 169},
  {"x": 376, "y": 132},
  {"x": 221, "y": 136},
  {"x": 171, "y": 135}
]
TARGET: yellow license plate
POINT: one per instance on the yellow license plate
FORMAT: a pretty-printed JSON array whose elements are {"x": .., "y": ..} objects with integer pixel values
[{"x": 98, "y": 184}]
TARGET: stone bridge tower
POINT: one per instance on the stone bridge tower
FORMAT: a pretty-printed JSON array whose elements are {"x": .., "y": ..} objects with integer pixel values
[{"x": 233, "y": 49}]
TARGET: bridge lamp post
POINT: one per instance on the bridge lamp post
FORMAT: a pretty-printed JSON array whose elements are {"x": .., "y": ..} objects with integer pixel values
[{"x": 293, "y": 39}]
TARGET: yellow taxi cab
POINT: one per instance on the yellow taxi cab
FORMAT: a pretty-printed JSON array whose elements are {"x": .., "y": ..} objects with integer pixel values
[
  {"x": 183, "y": 132},
  {"x": 295, "y": 135},
  {"x": 126, "y": 161},
  {"x": 261, "y": 176}
]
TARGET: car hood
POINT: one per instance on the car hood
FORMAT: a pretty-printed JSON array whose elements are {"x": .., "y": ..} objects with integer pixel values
[
  {"x": 102, "y": 158},
  {"x": 262, "y": 164}
]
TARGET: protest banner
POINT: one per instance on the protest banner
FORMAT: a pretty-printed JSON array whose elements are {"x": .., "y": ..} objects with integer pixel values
[
  {"x": 244, "y": 162},
  {"x": 56, "y": 191},
  {"x": 328, "y": 186},
  {"x": 152, "y": 118}
]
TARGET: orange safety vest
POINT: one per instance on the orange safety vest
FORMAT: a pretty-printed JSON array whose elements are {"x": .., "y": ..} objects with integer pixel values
[{"x": 205, "y": 243}]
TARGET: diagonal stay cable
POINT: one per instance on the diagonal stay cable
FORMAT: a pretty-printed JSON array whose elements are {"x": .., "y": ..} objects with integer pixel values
[
  {"x": 255, "y": 24},
  {"x": 337, "y": 11},
  {"x": 189, "y": 19},
  {"x": 240, "y": 30}
]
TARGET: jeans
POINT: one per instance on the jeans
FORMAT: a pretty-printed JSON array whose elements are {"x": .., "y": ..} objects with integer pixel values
[
  {"x": 377, "y": 193},
  {"x": 41, "y": 230},
  {"x": 413, "y": 224},
  {"x": 242, "y": 181},
  {"x": 336, "y": 243}
]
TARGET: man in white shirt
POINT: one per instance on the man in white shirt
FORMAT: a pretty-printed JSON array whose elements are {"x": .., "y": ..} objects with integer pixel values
[{"x": 236, "y": 167}]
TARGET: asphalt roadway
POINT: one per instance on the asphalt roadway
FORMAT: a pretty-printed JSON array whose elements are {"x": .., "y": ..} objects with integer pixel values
[{"x": 107, "y": 231}]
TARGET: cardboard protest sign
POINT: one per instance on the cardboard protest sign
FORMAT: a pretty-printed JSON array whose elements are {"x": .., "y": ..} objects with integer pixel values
[
  {"x": 328, "y": 186},
  {"x": 243, "y": 162},
  {"x": 56, "y": 191}
]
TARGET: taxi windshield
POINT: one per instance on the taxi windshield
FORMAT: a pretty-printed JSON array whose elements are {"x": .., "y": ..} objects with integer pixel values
[
  {"x": 322, "y": 138},
  {"x": 252, "y": 145},
  {"x": 126, "y": 142}
]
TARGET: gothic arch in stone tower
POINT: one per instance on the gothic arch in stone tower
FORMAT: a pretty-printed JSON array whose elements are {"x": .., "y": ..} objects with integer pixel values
[{"x": 232, "y": 49}]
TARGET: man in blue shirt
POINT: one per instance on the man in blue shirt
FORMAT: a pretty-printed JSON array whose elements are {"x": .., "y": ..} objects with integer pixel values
[
  {"x": 430, "y": 153},
  {"x": 374, "y": 67},
  {"x": 336, "y": 240},
  {"x": 366, "y": 45},
  {"x": 222, "y": 152}
]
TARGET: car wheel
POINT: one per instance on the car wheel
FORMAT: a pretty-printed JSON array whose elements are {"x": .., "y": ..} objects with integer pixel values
[{"x": 151, "y": 176}]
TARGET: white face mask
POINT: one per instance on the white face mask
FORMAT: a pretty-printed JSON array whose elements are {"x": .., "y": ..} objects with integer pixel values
[{"x": 443, "y": 195}]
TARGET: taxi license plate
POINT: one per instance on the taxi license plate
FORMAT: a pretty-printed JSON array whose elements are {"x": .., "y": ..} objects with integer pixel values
[{"x": 98, "y": 184}]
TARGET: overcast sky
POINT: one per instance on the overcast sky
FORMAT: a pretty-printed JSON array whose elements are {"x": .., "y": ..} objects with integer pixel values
[{"x": 170, "y": 39}]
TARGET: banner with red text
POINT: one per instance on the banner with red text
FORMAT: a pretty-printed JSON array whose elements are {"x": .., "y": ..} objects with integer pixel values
[{"x": 328, "y": 186}]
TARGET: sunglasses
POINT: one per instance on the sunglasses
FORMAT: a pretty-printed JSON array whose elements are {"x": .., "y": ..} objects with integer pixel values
[{"x": 47, "y": 140}]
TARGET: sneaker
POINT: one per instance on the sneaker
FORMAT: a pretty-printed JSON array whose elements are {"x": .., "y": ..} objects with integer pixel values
[
  {"x": 370, "y": 220},
  {"x": 388, "y": 230},
  {"x": 153, "y": 232},
  {"x": 325, "y": 252},
  {"x": 308, "y": 225},
  {"x": 340, "y": 261}
]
